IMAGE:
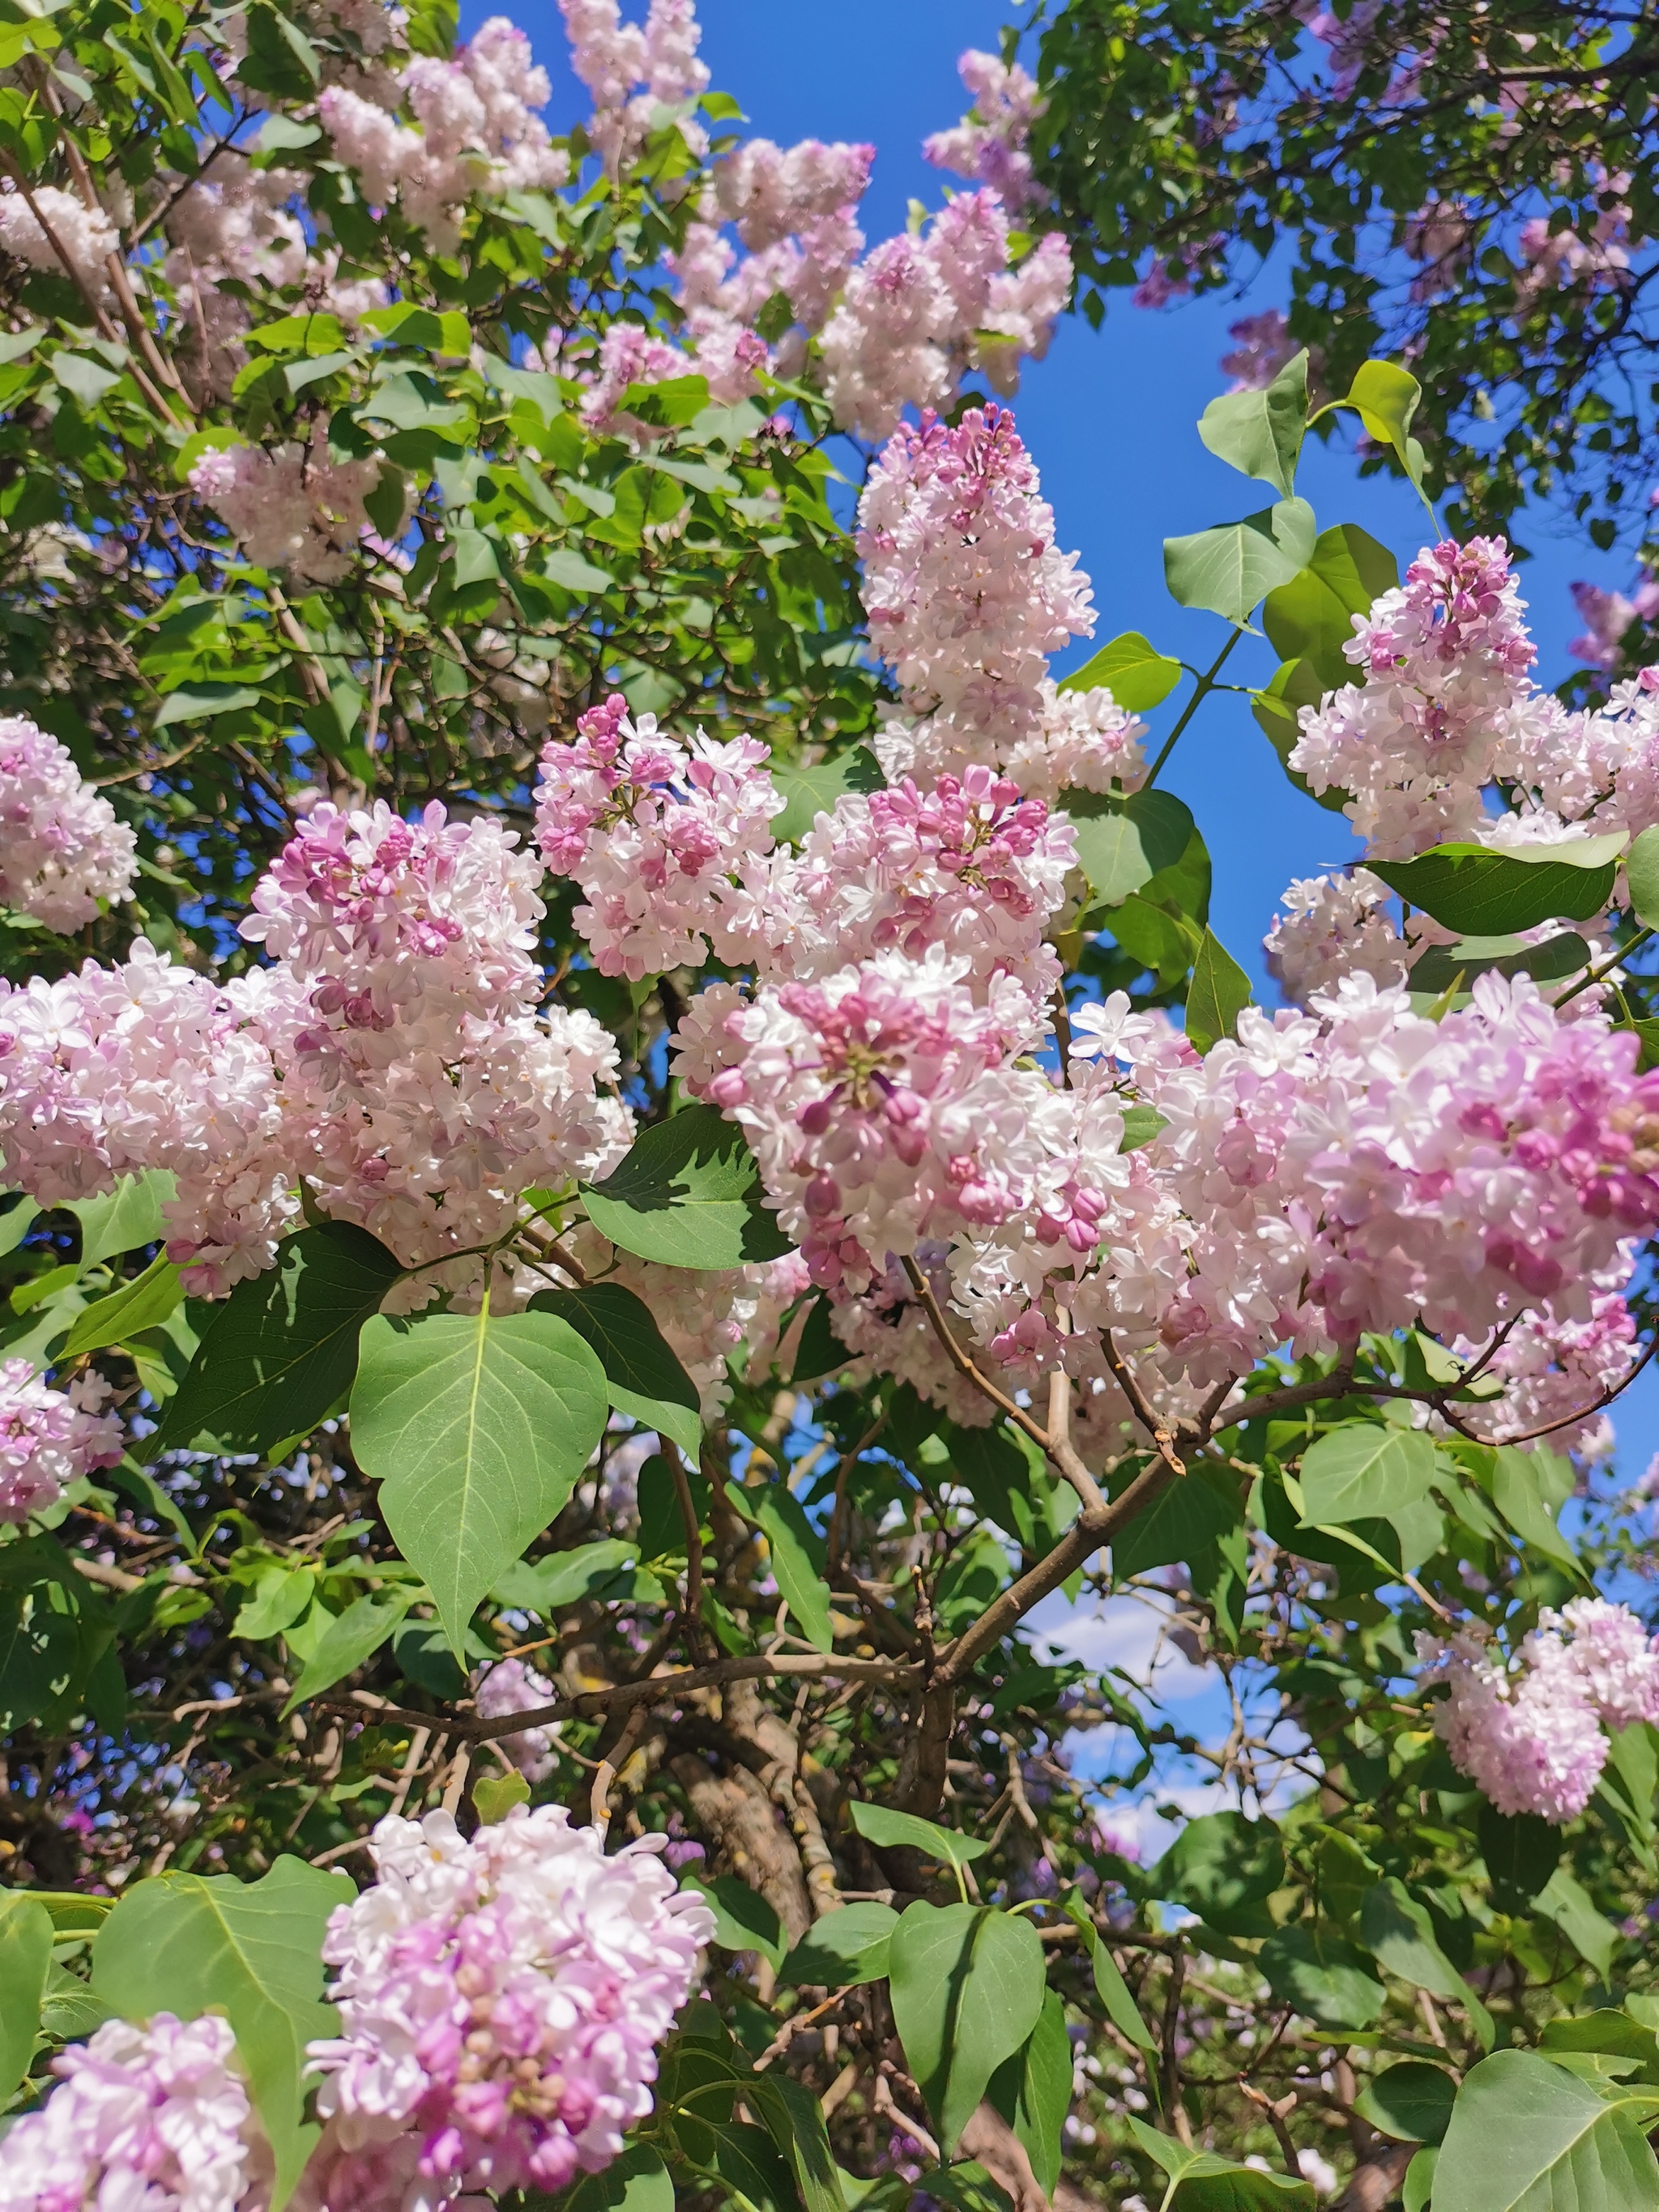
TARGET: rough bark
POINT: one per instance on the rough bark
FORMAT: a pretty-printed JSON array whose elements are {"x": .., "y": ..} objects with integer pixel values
[{"x": 737, "y": 1810}]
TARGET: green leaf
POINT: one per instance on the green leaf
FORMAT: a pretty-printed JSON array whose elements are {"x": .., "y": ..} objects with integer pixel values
[
  {"x": 1260, "y": 433},
  {"x": 1642, "y": 875},
  {"x": 1221, "y": 1867},
  {"x": 1386, "y": 397},
  {"x": 1400, "y": 1936},
  {"x": 688, "y": 1195},
  {"x": 18, "y": 1220},
  {"x": 1295, "y": 684},
  {"x": 1518, "y": 1493},
  {"x": 1565, "y": 1902},
  {"x": 279, "y": 1355},
  {"x": 26, "y": 1933},
  {"x": 351, "y": 1637},
  {"x": 891, "y": 1831},
  {"x": 797, "y": 1554},
  {"x": 1522, "y": 1852},
  {"x": 573, "y": 572},
  {"x": 1230, "y": 570},
  {"x": 1044, "y": 2096},
  {"x": 642, "y": 1375},
  {"x": 743, "y": 1921},
  {"x": 83, "y": 378},
  {"x": 1311, "y": 617},
  {"x": 638, "y": 2181},
  {"x": 493, "y": 1796},
  {"x": 818, "y": 1351},
  {"x": 412, "y": 325},
  {"x": 1362, "y": 1471},
  {"x": 1201, "y": 2182},
  {"x": 1444, "y": 967},
  {"x": 967, "y": 1984},
  {"x": 139, "y": 1304},
  {"x": 541, "y": 1586},
  {"x": 844, "y": 1947},
  {"x": 809, "y": 792},
  {"x": 1122, "y": 843},
  {"x": 1419, "y": 2186},
  {"x": 1323, "y": 1976},
  {"x": 1179, "y": 1524},
  {"x": 1480, "y": 892},
  {"x": 476, "y": 1428},
  {"x": 1138, "y": 676},
  {"x": 1110, "y": 1987},
  {"x": 1219, "y": 993},
  {"x": 188, "y": 1944},
  {"x": 127, "y": 1217},
  {"x": 1140, "y": 1125},
  {"x": 200, "y": 703},
  {"x": 1411, "y": 2102},
  {"x": 1527, "y": 2136},
  {"x": 794, "y": 2118}
]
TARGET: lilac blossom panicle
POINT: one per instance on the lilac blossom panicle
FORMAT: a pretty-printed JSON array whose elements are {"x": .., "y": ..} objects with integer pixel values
[
  {"x": 1531, "y": 1738},
  {"x": 510, "y": 1686},
  {"x": 63, "y": 852},
  {"x": 501, "y": 2003},
  {"x": 50, "y": 1438},
  {"x": 990, "y": 144},
  {"x": 152, "y": 2118}
]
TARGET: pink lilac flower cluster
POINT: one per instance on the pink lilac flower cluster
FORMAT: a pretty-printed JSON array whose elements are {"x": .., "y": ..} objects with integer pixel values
[
  {"x": 1557, "y": 1370},
  {"x": 474, "y": 130},
  {"x": 633, "y": 69},
  {"x": 1607, "y": 616},
  {"x": 1263, "y": 345},
  {"x": 61, "y": 849},
  {"x": 669, "y": 843},
  {"x": 1333, "y": 926},
  {"x": 291, "y": 508},
  {"x": 391, "y": 1057},
  {"x": 501, "y": 1999},
  {"x": 33, "y": 229},
  {"x": 510, "y": 1686},
  {"x": 1531, "y": 1738},
  {"x": 918, "y": 310},
  {"x": 154, "y": 2117},
  {"x": 1555, "y": 259},
  {"x": 50, "y": 1438},
  {"x": 989, "y": 143}
]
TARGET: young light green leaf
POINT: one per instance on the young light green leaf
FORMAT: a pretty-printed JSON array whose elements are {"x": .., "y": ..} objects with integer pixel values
[
  {"x": 1230, "y": 570},
  {"x": 1480, "y": 892},
  {"x": 688, "y": 1195},
  {"x": 352, "y": 1637},
  {"x": 1528, "y": 2136},
  {"x": 1219, "y": 993},
  {"x": 1412, "y": 2101},
  {"x": 1122, "y": 843},
  {"x": 140, "y": 1303},
  {"x": 1260, "y": 432},
  {"x": 125, "y": 1218},
  {"x": 475, "y": 1427},
  {"x": 797, "y": 1554},
  {"x": 1386, "y": 398},
  {"x": 1138, "y": 676},
  {"x": 849, "y": 1946},
  {"x": 1516, "y": 1493},
  {"x": 967, "y": 1985},
  {"x": 493, "y": 1796},
  {"x": 188, "y": 1944},
  {"x": 1363, "y": 1470},
  {"x": 892, "y": 1830},
  {"x": 279, "y": 1355},
  {"x": 642, "y": 1375},
  {"x": 26, "y": 1933},
  {"x": 1641, "y": 874}
]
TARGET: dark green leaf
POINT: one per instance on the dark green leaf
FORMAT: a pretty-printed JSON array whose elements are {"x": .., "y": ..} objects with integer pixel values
[
  {"x": 351, "y": 1637},
  {"x": 688, "y": 1195},
  {"x": 1218, "y": 995},
  {"x": 892, "y": 1830},
  {"x": 1443, "y": 966},
  {"x": 819, "y": 1352},
  {"x": 1201, "y": 2182},
  {"x": 1220, "y": 1866},
  {"x": 1179, "y": 1524},
  {"x": 139, "y": 1304},
  {"x": 967, "y": 1984},
  {"x": 797, "y": 1554},
  {"x": 849, "y": 1946},
  {"x": 1411, "y": 2102},
  {"x": 1109, "y": 1985},
  {"x": 794, "y": 2118},
  {"x": 25, "y": 1934},
  {"x": 1322, "y": 1976},
  {"x": 643, "y": 1377},
  {"x": 638, "y": 2181},
  {"x": 1480, "y": 892},
  {"x": 1522, "y": 1852},
  {"x": 743, "y": 1921},
  {"x": 279, "y": 1355}
]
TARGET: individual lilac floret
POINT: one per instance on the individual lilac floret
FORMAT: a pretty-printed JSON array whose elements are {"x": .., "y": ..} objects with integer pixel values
[
  {"x": 503, "y": 1999},
  {"x": 50, "y": 1438},
  {"x": 143, "y": 2119}
]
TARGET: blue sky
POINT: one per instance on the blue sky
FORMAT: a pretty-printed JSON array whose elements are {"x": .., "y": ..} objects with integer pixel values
[{"x": 1109, "y": 417}]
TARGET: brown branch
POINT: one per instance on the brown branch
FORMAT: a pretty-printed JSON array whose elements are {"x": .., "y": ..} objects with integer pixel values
[
  {"x": 693, "y": 1613},
  {"x": 611, "y": 1766},
  {"x": 960, "y": 1360},
  {"x": 1157, "y": 1429}
]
